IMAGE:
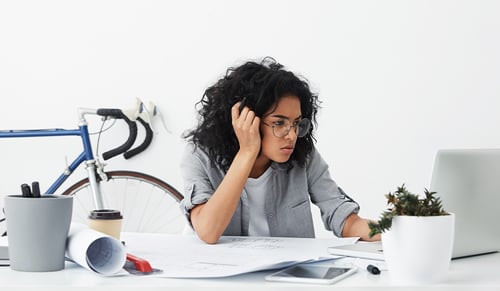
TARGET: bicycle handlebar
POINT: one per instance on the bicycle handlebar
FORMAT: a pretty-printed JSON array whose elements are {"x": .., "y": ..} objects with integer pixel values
[
  {"x": 132, "y": 125},
  {"x": 118, "y": 114},
  {"x": 145, "y": 143}
]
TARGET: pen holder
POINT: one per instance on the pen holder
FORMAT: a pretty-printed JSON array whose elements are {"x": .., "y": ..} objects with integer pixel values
[{"x": 37, "y": 229}]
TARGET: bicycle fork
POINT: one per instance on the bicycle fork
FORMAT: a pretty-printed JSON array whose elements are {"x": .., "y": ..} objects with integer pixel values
[{"x": 96, "y": 189}]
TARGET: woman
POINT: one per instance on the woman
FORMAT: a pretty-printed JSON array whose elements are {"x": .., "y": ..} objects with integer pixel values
[{"x": 251, "y": 168}]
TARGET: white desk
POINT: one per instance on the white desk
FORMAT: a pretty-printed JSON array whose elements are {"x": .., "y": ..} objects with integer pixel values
[{"x": 475, "y": 273}]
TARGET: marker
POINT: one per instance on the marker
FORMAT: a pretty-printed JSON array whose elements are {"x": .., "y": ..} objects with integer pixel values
[
  {"x": 35, "y": 187},
  {"x": 25, "y": 189},
  {"x": 373, "y": 269}
]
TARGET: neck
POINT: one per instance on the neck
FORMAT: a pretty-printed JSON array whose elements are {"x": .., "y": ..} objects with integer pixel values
[{"x": 259, "y": 167}]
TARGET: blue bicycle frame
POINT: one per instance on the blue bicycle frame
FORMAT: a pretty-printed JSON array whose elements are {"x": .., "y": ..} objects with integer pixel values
[{"x": 85, "y": 156}]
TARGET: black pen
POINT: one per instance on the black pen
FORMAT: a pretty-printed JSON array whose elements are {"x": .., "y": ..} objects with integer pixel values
[
  {"x": 25, "y": 189},
  {"x": 35, "y": 188},
  {"x": 373, "y": 269}
]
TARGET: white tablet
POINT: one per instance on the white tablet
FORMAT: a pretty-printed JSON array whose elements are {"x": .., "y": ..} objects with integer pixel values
[{"x": 307, "y": 273}]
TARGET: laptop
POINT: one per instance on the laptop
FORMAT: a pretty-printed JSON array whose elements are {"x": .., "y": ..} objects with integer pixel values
[
  {"x": 361, "y": 249},
  {"x": 468, "y": 183}
]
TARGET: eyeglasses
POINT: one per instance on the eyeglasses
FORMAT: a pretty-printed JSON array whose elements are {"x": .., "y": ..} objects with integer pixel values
[{"x": 282, "y": 127}]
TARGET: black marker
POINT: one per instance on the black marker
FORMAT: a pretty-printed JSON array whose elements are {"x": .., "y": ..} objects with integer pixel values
[
  {"x": 25, "y": 189},
  {"x": 373, "y": 269},
  {"x": 35, "y": 188}
]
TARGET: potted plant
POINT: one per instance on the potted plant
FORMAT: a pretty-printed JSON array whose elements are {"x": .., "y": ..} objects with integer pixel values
[{"x": 417, "y": 237}]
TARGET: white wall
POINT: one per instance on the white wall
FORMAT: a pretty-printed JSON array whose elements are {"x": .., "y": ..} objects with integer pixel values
[{"x": 398, "y": 79}]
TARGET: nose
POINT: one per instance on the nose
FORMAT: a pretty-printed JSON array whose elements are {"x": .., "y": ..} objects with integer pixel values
[{"x": 292, "y": 133}]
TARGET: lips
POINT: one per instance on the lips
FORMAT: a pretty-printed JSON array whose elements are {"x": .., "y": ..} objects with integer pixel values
[{"x": 288, "y": 149}]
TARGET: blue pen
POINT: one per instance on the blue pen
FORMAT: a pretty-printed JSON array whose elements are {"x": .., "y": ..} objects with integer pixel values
[{"x": 35, "y": 188}]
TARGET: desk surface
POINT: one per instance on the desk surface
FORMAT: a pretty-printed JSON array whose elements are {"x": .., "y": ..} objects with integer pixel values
[{"x": 480, "y": 273}]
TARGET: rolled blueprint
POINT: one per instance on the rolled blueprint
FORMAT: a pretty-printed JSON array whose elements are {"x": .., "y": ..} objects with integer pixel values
[{"x": 95, "y": 251}]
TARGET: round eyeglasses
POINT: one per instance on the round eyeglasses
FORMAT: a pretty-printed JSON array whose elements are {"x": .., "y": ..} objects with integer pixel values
[{"x": 282, "y": 127}]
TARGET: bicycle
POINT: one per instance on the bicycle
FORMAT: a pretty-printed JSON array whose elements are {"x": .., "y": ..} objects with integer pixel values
[{"x": 147, "y": 203}]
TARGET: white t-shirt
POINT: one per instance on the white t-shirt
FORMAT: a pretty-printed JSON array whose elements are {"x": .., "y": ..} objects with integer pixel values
[{"x": 257, "y": 190}]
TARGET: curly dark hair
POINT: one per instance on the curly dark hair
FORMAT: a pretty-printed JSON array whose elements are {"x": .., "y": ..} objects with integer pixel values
[{"x": 262, "y": 84}]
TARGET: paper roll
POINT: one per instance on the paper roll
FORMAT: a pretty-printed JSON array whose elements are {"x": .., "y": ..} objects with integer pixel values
[{"x": 95, "y": 251}]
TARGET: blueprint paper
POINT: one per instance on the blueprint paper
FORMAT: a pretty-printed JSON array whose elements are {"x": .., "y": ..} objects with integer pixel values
[
  {"x": 185, "y": 256},
  {"x": 95, "y": 251}
]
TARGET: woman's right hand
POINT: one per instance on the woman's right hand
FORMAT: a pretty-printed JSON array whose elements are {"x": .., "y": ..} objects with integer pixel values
[
  {"x": 212, "y": 218},
  {"x": 246, "y": 127}
]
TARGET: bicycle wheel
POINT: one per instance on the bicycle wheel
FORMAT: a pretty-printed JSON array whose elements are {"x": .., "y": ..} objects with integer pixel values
[{"x": 147, "y": 204}]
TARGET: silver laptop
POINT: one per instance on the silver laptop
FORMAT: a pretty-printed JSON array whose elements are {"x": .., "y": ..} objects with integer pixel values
[{"x": 468, "y": 183}]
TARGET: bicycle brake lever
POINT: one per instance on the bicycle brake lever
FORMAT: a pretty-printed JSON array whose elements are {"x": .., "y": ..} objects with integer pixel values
[
  {"x": 135, "y": 112},
  {"x": 99, "y": 167},
  {"x": 152, "y": 111}
]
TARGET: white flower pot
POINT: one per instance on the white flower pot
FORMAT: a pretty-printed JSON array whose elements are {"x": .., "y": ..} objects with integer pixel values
[{"x": 418, "y": 249}]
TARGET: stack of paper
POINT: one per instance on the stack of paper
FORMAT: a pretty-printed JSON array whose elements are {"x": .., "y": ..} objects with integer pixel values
[{"x": 188, "y": 257}]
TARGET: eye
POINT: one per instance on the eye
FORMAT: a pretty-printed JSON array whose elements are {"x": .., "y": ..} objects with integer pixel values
[{"x": 279, "y": 123}]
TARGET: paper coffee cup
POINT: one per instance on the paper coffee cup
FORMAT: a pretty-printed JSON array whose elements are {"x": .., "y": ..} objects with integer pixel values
[{"x": 107, "y": 221}]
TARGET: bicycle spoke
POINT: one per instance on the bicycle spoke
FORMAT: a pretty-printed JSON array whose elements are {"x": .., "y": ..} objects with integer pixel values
[{"x": 146, "y": 205}]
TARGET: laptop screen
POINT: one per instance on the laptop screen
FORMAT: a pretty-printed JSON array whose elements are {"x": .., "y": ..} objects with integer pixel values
[{"x": 468, "y": 182}]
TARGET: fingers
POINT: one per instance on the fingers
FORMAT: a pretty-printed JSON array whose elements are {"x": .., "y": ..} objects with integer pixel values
[
  {"x": 246, "y": 125},
  {"x": 235, "y": 111},
  {"x": 242, "y": 117},
  {"x": 242, "y": 114}
]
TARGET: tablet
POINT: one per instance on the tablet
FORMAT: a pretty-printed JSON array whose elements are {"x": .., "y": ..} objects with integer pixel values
[{"x": 307, "y": 273}]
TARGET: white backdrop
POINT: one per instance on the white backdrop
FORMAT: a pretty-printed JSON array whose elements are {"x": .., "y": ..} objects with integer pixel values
[{"x": 398, "y": 79}]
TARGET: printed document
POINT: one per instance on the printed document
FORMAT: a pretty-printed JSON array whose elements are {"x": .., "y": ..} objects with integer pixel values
[{"x": 186, "y": 256}]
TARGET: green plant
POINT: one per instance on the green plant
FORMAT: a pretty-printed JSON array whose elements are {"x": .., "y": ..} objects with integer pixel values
[{"x": 402, "y": 202}]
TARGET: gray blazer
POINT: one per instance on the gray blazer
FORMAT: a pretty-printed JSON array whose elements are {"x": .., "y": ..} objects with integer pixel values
[{"x": 288, "y": 206}]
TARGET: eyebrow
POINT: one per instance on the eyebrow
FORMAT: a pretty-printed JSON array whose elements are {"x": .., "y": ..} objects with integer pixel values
[{"x": 284, "y": 117}]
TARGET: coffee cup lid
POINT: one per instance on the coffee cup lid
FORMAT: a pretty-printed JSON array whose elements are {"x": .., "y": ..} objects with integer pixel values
[{"x": 105, "y": 214}]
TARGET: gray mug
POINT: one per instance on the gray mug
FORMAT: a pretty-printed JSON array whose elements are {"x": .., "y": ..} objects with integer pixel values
[{"x": 37, "y": 230}]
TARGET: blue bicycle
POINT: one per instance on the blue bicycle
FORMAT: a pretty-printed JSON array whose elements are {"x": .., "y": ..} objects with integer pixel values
[{"x": 147, "y": 203}]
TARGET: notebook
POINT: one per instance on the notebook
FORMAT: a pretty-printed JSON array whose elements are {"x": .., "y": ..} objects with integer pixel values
[{"x": 468, "y": 183}]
